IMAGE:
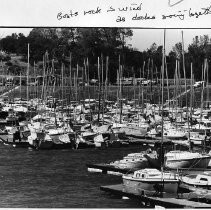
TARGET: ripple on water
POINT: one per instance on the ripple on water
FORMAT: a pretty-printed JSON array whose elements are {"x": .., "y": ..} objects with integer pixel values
[{"x": 57, "y": 178}]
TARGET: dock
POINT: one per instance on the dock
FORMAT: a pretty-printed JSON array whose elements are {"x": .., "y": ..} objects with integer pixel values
[
  {"x": 108, "y": 169},
  {"x": 150, "y": 201}
]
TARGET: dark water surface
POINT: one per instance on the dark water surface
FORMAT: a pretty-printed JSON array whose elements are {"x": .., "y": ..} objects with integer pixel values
[{"x": 58, "y": 178}]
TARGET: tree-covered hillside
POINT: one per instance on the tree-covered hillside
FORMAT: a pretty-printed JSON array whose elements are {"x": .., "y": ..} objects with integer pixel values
[{"x": 82, "y": 46}]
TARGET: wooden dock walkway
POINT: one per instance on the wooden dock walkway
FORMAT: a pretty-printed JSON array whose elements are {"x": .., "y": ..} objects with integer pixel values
[{"x": 153, "y": 201}]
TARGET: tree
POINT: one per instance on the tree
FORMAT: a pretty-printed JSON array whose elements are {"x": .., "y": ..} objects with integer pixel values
[{"x": 9, "y": 43}]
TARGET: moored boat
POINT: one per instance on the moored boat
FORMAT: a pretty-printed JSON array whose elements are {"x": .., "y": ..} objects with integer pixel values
[
  {"x": 185, "y": 159},
  {"x": 149, "y": 179},
  {"x": 192, "y": 182},
  {"x": 132, "y": 161}
]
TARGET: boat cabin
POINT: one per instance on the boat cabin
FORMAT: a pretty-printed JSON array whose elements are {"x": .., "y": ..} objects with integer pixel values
[
  {"x": 147, "y": 173},
  {"x": 201, "y": 179}
]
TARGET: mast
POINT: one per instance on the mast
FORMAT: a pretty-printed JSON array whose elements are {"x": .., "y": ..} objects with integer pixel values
[
  {"x": 162, "y": 98},
  {"x": 120, "y": 75},
  {"x": 106, "y": 81},
  {"x": 191, "y": 95},
  {"x": 20, "y": 86},
  {"x": 62, "y": 83},
  {"x": 87, "y": 63},
  {"x": 43, "y": 80},
  {"x": 167, "y": 81},
  {"x": 71, "y": 86},
  {"x": 102, "y": 87},
  {"x": 142, "y": 90},
  {"x": 176, "y": 86},
  {"x": 117, "y": 94},
  {"x": 27, "y": 91},
  {"x": 35, "y": 81},
  {"x": 84, "y": 77},
  {"x": 120, "y": 89},
  {"x": 139, "y": 93},
  {"x": 118, "y": 83},
  {"x": 76, "y": 83},
  {"x": 202, "y": 91},
  {"x": 83, "y": 83},
  {"x": 207, "y": 85},
  {"x": 186, "y": 97},
  {"x": 151, "y": 95},
  {"x": 99, "y": 86},
  {"x": 134, "y": 87}
]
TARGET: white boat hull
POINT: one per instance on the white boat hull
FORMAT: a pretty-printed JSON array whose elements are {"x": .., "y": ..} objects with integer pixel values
[
  {"x": 201, "y": 162},
  {"x": 132, "y": 165},
  {"x": 196, "y": 181},
  {"x": 137, "y": 187},
  {"x": 134, "y": 131}
]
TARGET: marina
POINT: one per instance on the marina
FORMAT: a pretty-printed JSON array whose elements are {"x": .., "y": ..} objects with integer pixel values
[{"x": 77, "y": 123}]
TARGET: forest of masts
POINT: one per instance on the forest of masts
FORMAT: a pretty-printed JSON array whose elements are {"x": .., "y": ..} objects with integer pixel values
[{"x": 72, "y": 87}]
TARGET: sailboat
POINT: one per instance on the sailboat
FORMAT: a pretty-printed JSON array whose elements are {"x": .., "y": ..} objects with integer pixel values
[
  {"x": 187, "y": 159},
  {"x": 150, "y": 179},
  {"x": 39, "y": 138},
  {"x": 192, "y": 182}
]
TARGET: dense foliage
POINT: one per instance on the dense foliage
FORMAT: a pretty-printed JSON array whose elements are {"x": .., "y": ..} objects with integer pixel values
[{"x": 85, "y": 45}]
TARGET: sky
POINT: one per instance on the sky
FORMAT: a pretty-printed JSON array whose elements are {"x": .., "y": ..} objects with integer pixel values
[{"x": 142, "y": 38}]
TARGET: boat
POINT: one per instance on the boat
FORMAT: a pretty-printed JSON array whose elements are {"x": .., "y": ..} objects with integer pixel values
[
  {"x": 175, "y": 134},
  {"x": 197, "y": 138},
  {"x": 99, "y": 141},
  {"x": 193, "y": 181},
  {"x": 131, "y": 161},
  {"x": 186, "y": 159},
  {"x": 150, "y": 179},
  {"x": 136, "y": 130},
  {"x": 40, "y": 140}
]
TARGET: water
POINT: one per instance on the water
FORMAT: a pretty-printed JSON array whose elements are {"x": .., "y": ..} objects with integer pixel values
[{"x": 58, "y": 178}]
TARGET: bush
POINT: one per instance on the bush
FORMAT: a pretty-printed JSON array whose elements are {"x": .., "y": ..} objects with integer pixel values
[
  {"x": 9, "y": 63},
  {"x": 4, "y": 57}
]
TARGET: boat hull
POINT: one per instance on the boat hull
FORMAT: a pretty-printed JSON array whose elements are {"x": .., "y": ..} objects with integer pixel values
[
  {"x": 134, "y": 131},
  {"x": 138, "y": 187},
  {"x": 132, "y": 165},
  {"x": 45, "y": 145},
  {"x": 41, "y": 144},
  {"x": 202, "y": 162}
]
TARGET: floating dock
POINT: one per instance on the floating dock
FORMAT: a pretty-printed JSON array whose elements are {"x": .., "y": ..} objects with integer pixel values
[
  {"x": 108, "y": 169},
  {"x": 150, "y": 201}
]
